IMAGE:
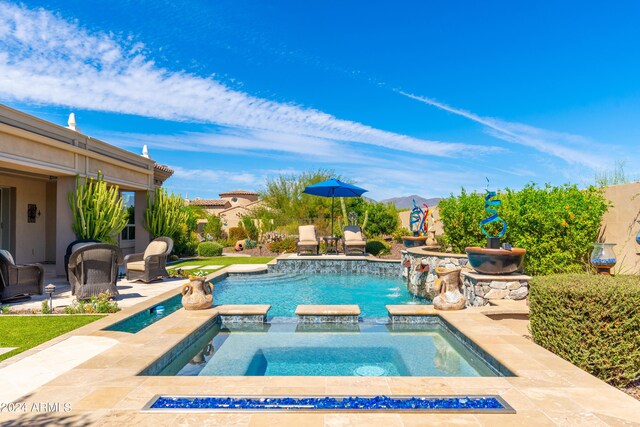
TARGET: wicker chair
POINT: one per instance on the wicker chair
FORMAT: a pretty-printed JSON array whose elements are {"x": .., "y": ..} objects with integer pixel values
[
  {"x": 152, "y": 264},
  {"x": 307, "y": 240},
  {"x": 19, "y": 281},
  {"x": 353, "y": 240},
  {"x": 93, "y": 269},
  {"x": 76, "y": 244}
]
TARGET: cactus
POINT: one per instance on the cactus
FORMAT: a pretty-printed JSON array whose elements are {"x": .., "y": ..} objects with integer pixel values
[
  {"x": 366, "y": 219},
  {"x": 97, "y": 210},
  {"x": 165, "y": 215}
]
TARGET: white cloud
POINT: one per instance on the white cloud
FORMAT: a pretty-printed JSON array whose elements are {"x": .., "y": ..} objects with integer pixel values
[
  {"x": 46, "y": 59},
  {"x": 549, "y": 142}
]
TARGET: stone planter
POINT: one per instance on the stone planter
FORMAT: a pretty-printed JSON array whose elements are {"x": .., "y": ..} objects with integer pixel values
[
  {"x": 197, "y": 294},
  {"x": 448, "y": 286}
]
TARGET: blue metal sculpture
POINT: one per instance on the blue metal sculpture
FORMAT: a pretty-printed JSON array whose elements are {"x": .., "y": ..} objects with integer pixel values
[
  {"x": 489, "y": 207},
  {"x": 418, "y": 220}
]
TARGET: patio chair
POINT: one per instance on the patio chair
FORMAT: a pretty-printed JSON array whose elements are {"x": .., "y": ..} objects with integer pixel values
[
  {"x": 76, "y": 244},
  {"x": 307, "y": 240},
  {"x": 19, "y": 281},
  {"x": 152, "y": 264},
  {"x": 93, "y": 269},
  {"x": 353, "y": 240}
]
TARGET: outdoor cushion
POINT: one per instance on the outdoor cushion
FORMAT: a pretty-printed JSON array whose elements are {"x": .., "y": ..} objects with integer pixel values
[
  {"x": 353, "y": 236},
  {"x": 135, "y": 265},
  {"x": 155, "y": 248},
  {"x": 307, "y": 242},
  {"x": 307, "y": 233},
  {"x": 355, "y": 242}
]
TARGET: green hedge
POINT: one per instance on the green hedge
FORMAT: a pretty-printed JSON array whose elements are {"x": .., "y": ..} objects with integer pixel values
[
  {"x": 377, "y": 247},
  {"x": 209, "y": 249},
  {"x": 288, "y": 244},
  {"x": 591, "y": 321},
  {"x": 556, "y": 225}
]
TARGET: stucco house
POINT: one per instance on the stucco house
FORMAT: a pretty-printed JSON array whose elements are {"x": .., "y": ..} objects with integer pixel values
[
  {"x": 39, "y": 162},
  {"x": 230, "y": 207}
]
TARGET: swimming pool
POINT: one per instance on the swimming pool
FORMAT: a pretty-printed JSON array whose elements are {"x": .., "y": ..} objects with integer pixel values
[
  {"x": 285, "y": 291},
  {"x": 289, "y": 349},
  {"x": 147, "y": 317}
]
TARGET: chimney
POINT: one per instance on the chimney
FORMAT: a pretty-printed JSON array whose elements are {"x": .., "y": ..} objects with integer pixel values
[
  {"x": 72, "y": 122},
  {"x": 145, "y": 151}
]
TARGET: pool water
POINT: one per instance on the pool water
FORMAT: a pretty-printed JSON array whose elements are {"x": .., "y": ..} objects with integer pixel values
[
  {"x": 284, "y": 292},
  {"x": 366, "y": 349},
  {"x": 147, "y": 317}
]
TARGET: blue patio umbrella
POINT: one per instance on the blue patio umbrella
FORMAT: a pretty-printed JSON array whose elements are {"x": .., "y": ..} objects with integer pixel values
[{"x": 334, "y": 188}]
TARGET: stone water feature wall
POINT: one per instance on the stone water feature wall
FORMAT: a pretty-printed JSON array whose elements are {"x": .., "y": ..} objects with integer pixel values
[{"x": 419, "y": 269}]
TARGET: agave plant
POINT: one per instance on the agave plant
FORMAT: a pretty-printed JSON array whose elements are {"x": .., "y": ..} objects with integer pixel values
[
  {"x": 97, "y": 209},
  {"x": 165, "y": 214}
]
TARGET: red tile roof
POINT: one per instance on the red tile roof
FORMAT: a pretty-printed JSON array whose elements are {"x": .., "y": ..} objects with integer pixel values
[
  {"x": 238, "y": 193},
  {"x": 208, "y": 202}
]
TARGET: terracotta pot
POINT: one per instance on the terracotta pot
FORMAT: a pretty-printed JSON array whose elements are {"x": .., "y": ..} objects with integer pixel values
[
  {"x": 495, "y": 261},
  {"x": 197, "y": 294}
]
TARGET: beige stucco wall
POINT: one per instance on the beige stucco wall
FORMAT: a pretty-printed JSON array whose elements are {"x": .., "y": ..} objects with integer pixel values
[
  {"x": 241, "y": 200},
  {"x": 30, "y": 242},
  {"x": 619, "y": 225}
]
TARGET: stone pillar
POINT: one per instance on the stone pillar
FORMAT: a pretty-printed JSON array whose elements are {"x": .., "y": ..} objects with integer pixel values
[
  {"x": 479, "y": 289},
  {"x": 64, "y": 220},
  {"x": 143, "y": 237}
]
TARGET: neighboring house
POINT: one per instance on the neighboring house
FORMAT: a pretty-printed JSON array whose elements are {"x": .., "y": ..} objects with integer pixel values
[
  {"x": 230, "y": 207},
  {"x": 39, "y": 162}
]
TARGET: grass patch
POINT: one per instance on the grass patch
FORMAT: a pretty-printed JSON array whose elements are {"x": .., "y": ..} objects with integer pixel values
[
  {"x": 25, "y": 332},
  {"x": 219, "y": 260}
]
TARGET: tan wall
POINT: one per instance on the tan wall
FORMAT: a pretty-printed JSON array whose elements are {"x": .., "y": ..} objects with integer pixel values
[
  {"x": 619, "y": 225},
  {"x": 241, "y": 200},
  {"x": 30, "y": 242},
  {"x": 434, "y": 221}
]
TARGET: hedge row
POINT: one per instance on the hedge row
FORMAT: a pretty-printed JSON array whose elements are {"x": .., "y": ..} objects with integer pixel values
[
  {"x": 209, "y": 249},
  {"x": 591, "y": 321}
]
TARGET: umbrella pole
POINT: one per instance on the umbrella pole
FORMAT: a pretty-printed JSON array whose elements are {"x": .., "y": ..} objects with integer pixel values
[{"x": 333, "y": 199}]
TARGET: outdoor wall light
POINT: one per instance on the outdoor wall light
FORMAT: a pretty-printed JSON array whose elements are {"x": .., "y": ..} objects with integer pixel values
[{"x": 50, "y": 289}]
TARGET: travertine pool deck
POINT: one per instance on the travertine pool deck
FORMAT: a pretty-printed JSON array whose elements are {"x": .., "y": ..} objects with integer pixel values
[{"x": 106, "y": 390}]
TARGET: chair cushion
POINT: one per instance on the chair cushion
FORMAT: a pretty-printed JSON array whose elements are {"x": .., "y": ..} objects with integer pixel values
[
  {"x": 7, "y": 255},
  {"x": 135, "y": 265},
  {"x": 352, "y": 236},
  {"x": 308, "y": 243},
  {"x": 157, "y": 247},
  {"x": 307, "y": 233},
  {"x": 355, "y": 243}
]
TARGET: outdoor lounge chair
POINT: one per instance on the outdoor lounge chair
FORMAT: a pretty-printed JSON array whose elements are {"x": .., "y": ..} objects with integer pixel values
[
  {"x": 93, "y": 269},
  {"x": 353, "y": 240},
  {"x": 152, "y": 264},
  {"x": 307, "y": 240},
  {"x": 76, "y": 244},
  {"x": 19, "y": 281}
]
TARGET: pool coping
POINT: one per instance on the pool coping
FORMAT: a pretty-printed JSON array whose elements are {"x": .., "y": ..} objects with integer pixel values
[{"x": 546, "y": 390}]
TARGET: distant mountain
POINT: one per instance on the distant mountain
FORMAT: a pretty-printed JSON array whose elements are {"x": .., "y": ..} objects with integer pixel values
[{"x": 407, "y": 201}]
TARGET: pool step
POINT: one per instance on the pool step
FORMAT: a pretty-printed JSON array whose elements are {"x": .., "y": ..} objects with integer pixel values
[
  {"x": 411, "y": 313},
  {"x": 243, "y": 313},
  {"x": 328, "y": 313}
]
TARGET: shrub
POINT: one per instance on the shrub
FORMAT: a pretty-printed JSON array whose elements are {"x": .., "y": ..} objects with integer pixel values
[
  {"x": 250, "y": 244},
  {"x": 186, "y": 244},
  {"x": 237, "y": 233},
  {"x": 213, "y": 228},
  {"x": 591, "y": 321},
  {"x": 250, "y": 227},
  {"x": 45, "y": 307},
  {"x": 556, "y": 225},
  {"x": 100, "y": 304},
  {"x": 377, "y": 247},
  {"x": 287, "y": 244},
  {"x": 97, "y": 210},
  {"x": 209, "y": 249},
  {"x": 399, "y": 232}
]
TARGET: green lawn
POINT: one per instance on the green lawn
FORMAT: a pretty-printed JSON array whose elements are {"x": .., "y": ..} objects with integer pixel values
[
  {"x": 25, "y": 332},
  {"x": 220, "y": 260}
]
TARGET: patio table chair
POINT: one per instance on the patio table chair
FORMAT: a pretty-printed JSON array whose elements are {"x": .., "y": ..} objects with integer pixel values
[
  {"x": 353, "y": 240},
  {"x": 93, "y": 269},
  {"x": 307, "y": 240},
  {"x": 152, "y": 264},
  {"x": 19, "y": 281}
]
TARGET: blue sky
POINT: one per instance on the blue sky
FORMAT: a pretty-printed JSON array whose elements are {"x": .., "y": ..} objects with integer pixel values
[{"x": 407, "y": 97}]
